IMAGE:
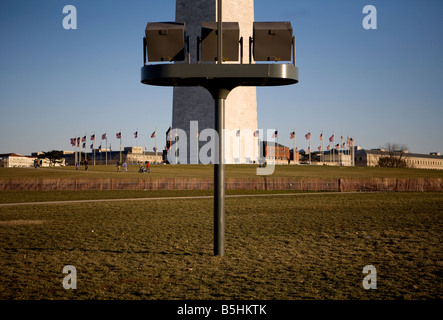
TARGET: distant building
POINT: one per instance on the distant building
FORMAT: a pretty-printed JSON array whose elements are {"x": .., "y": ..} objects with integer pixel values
[
  {"x": 276, "y": 152},
  {"x": 370, "y": 158},
  {"x": 11, "y": 160},
  {"x": 14, "y": 160},
  {"x": 336, "y": 158},
  {"x": 130, "y": 155},
  {"x": 294, "y": 156},
  {"x": 135, "y": 155}
]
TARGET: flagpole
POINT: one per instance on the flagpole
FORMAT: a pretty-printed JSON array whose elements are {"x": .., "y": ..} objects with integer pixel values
[
  {"x": 278, "y": 151},
  {"x": 322, "y": 149},
  {"x": 353, "y": 152},
  {"x": 349, "y": 147},
  {"x": 106, "y": 153},
  {"x": 348, "y": 152},
  {"x": 310, "y": 147},
  {"x": 86, "y": 148},
  {"x": 138, "y": 154},
  {"x": 93, "y": 147},
  {"x": 333, "y": 148},
  {"x": 75, "y": 152},
  {"x": 155, "y": 136},
  {"x": 81, "y": 148},
  {"x": 295, "y": 145},
  {"x": 341, "y": 151}
]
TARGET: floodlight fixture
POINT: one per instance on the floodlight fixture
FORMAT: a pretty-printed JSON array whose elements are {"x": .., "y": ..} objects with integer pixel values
[
  {"x": 165, "y": 41},
  {"x": 273, "y": 41},
  {"x": 231, "y": 41}
]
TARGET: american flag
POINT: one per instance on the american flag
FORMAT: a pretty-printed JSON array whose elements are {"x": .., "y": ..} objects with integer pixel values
[
  {"x": 73, "y": 141},
  {"x": 256, "y": 133},
  {"x": 336, "y": 146},
  {"x": 327, "y": 148},
  {"x": 321, "y": 137},
  {"x": 84, "y": 139},
  {"x": 308, "y": 136},
  {"x": 351, "y": 140},
  {"x": 155, "y": 149},
  {"x": 135, "y": 134},
  {"x": 78, "y": 142},
  {"x": 153, "y": 135},
  {"x": 84, "y": 145},
  {"x": 292, "y": 135},
  {"x": 343, "y": 145},
  {"x": 92, "y": 146},
  {"x": 331, "y": 139},
  {"x": 99, "y": 147},
  {"x": 118, "y": 135},
  {"x": 275, "y": 135},
  {"x": 319, "y": 148},
  {"x": 103, "y": 136},
  {"x": 238, "y": 133},
  {"x": 93, "y": 137}
]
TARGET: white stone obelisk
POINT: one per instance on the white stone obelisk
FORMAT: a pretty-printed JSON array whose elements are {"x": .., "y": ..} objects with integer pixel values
[{"x": 196, "y": 104}]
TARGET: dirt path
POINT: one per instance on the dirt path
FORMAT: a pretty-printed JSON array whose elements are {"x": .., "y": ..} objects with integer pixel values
[{"x": 172, "y": 198}]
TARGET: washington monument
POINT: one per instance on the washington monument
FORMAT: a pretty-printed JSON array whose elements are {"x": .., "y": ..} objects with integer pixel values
[{"x": 195, "y": 103}]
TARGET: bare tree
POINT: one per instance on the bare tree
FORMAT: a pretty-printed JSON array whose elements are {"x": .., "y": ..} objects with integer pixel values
[{"x": 393, "y": 156}]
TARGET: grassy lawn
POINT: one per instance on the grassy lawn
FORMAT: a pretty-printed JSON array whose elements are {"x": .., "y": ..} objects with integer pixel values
[
  {"x": 207, "y": 171},
  {"x": 305, "y": 247}
]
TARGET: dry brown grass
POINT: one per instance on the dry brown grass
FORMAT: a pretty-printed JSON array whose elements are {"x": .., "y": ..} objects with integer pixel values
[{"x": 300, "y": 247}]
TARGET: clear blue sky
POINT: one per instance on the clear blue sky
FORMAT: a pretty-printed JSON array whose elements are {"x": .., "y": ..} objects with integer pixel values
[{"x": 379, "y": 86}]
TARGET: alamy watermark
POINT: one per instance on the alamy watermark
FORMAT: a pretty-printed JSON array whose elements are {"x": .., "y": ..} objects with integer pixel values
[
  {"x": 370, "y": 20},
  {"x": 70, "y": 20},
  {"x": 203, "y": 147},
  {"x": 70, "y": 281},
  {"x": 370, "y": 281}
]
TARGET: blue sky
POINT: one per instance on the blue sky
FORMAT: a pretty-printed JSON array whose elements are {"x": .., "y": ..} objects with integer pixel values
[{"x": 379, "y": 86}]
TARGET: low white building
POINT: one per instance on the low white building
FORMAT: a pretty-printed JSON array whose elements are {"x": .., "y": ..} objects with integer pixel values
[
  {"x": 336, "y": 159},
  {"x": 11, "y": 160},
  {"x": 370, "y": 158},
  {"x": 14, "y": 160}
]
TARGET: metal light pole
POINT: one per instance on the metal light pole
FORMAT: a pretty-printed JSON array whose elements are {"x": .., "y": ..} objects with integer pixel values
[
  {"x": 219, "y": 175},
  {"x": 165, "y": 42},
  {"x": 219, "y": 167}
]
